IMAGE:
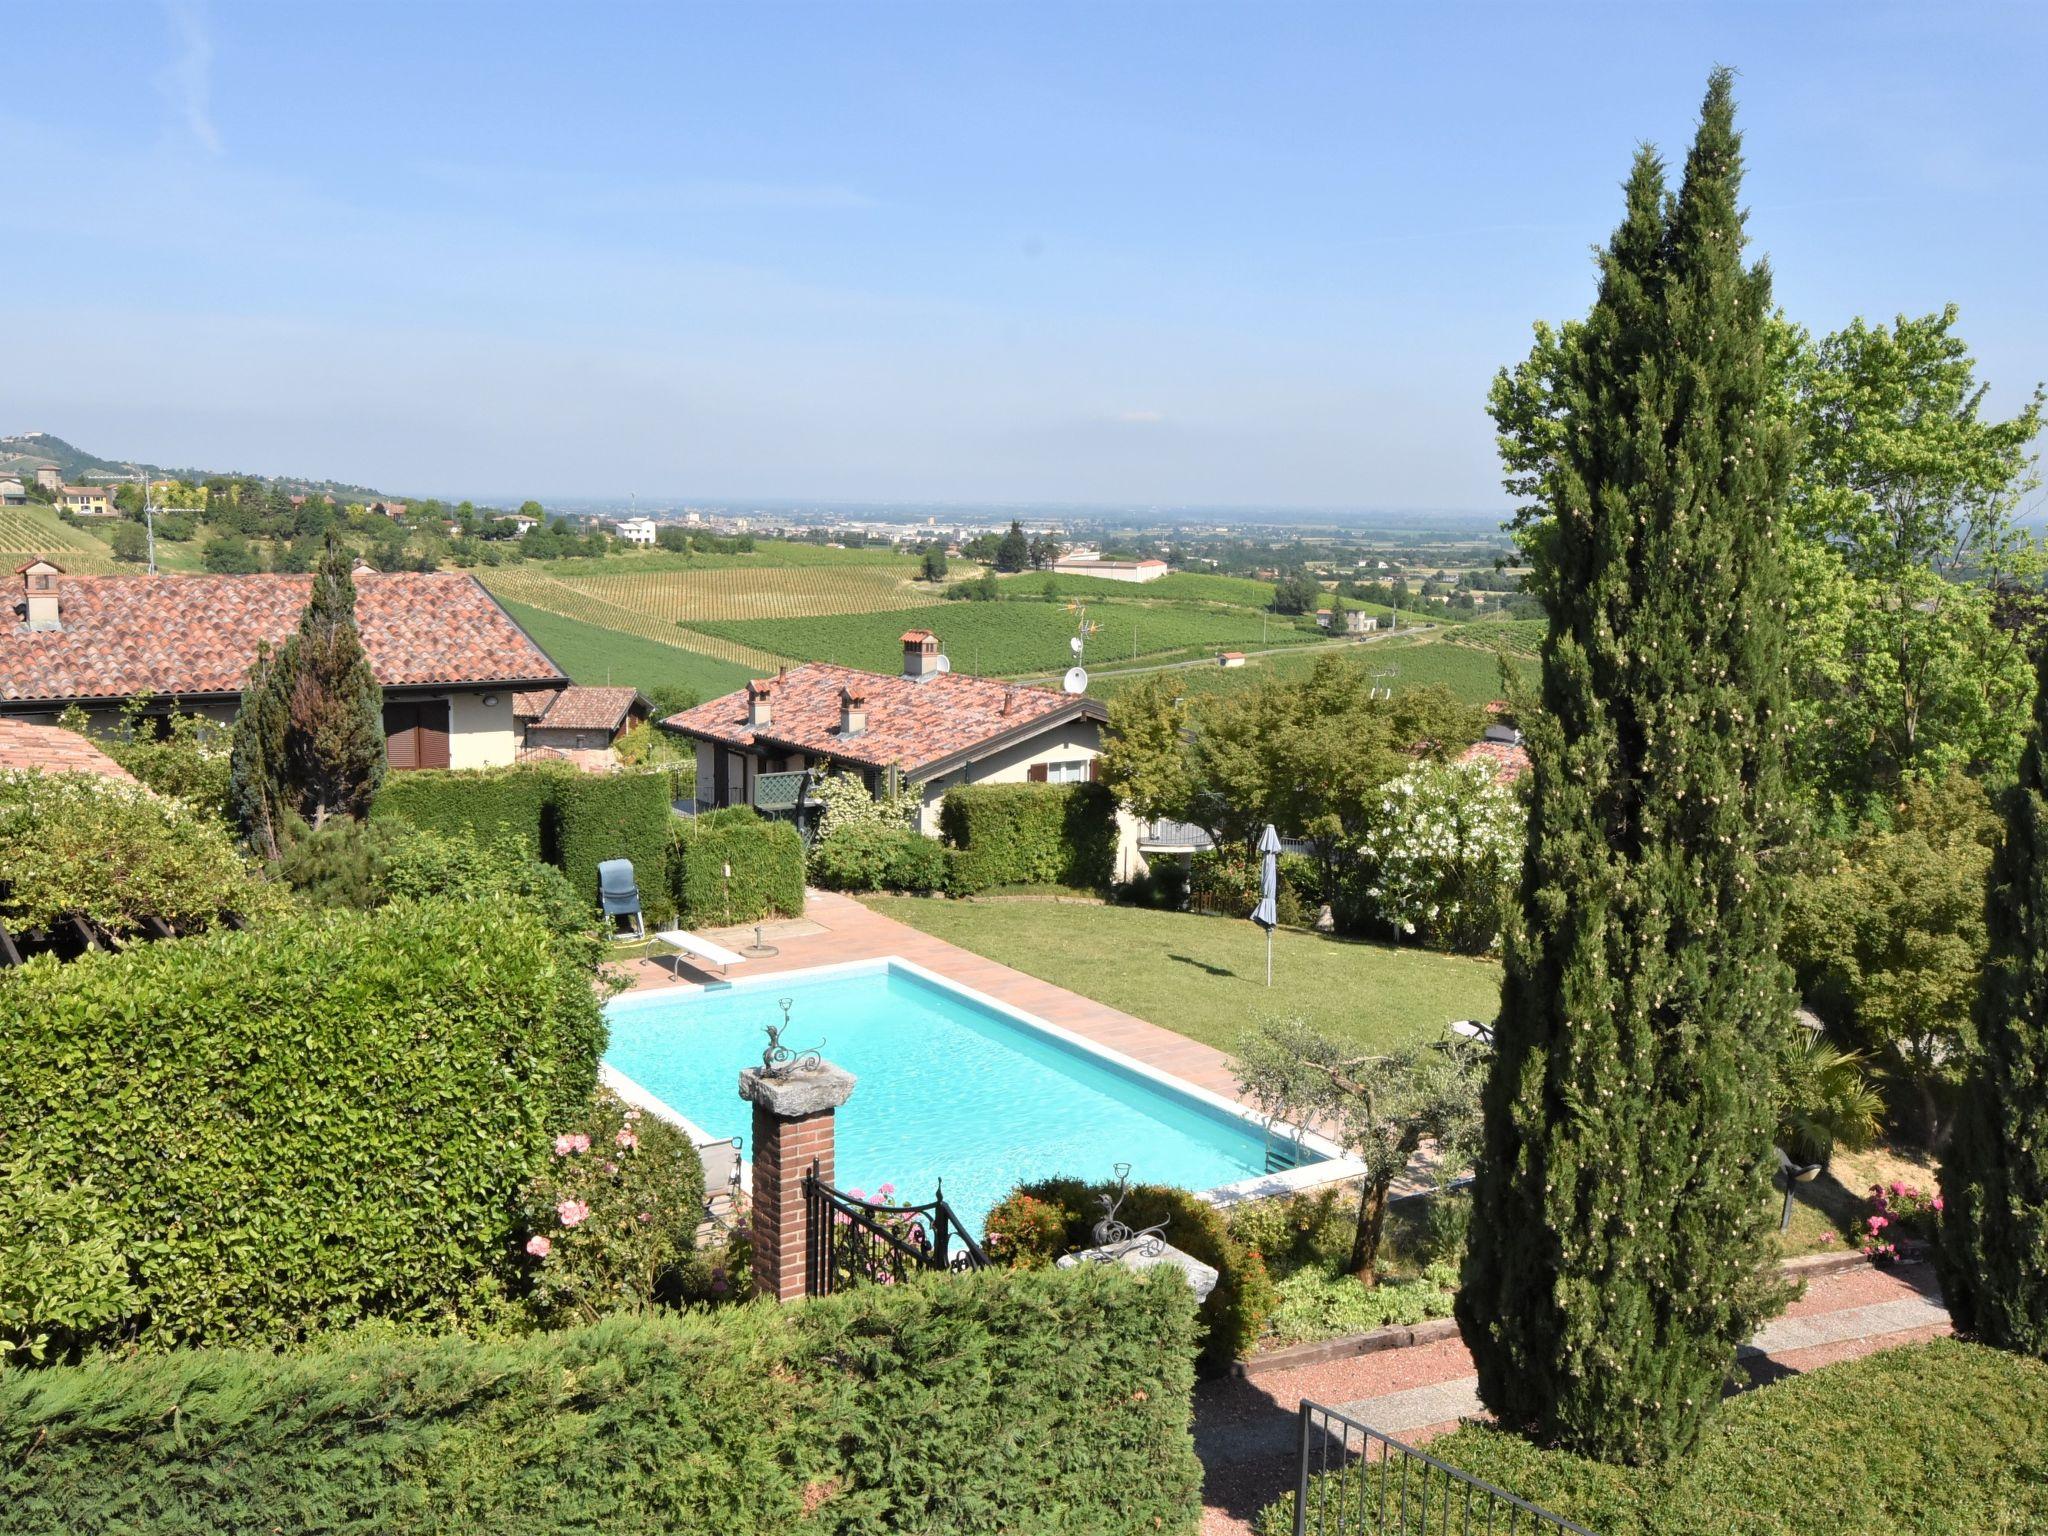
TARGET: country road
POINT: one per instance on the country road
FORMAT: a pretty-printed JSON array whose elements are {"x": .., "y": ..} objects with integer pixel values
[{"x": 1307, "y": 649}]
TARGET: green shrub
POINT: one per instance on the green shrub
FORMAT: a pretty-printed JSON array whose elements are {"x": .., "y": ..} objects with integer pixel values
[
  {"x": 1943, "y": 1438},
  {"x": 871, "y": 857},
  {"x": 1227, "y": 884},
  {"x": 308, "y": 1123},
  {"x": 1022, "y": 1231},
  {"x": 429, "y": 866},
  {"x": 766, "y": 859},
  {"x": 1325, "y": 1304},
  {"x": 615, "y": 816},
  {"x": 491, "y": 804},
  {"x": 343, "y": 864},
  {"x": 1030, "y": 834},
  {"x": 1044, "y": 1403},
  {"x": 112, "y": 853},
  {"x": 176, "y": 754},
  {"x": 63, "y": 1281},
  {"x": 610, "y": 1221},
  {"x": 1309, "y": 1230}
]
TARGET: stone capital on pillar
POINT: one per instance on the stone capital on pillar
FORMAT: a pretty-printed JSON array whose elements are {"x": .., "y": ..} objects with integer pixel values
[{"x": 792, "y": 1134}]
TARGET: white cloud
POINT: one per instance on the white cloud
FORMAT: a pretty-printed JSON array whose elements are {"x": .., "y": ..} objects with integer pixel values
[{"x": 187, "y": 81}]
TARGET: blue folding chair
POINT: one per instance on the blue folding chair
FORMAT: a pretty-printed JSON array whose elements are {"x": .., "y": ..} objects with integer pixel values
[{"x": 619, "y": 894}]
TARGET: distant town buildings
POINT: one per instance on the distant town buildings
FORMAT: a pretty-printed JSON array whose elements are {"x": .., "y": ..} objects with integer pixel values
[
  {"x": 1088, "y": 563},
  {"x": 12, "y": 493},
  {"x": 638, "y": 530},
  {"x": 48, "y": 478}
]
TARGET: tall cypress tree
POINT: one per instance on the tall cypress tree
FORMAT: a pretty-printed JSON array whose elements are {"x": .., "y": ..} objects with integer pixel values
[
  {"x": 1994, "y": 1182},
  {"x": 256, "y": 789},
  {"x": 1621, "y": 1245},
  {"x": 335, "y": 745}
]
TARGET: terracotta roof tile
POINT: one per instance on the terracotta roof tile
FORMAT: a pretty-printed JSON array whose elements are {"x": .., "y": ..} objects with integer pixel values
[
  {"x": 1509, "y": 762},
  {"x": 193, "y": 635},
  {"x": 591, "y": 709},
  {"x": 50, "y": 749},
  {"x": 910, "y": 722},
  {"x": 532, "y": 703}
]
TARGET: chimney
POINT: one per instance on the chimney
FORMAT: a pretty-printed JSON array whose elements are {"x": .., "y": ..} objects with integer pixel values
[
  {"x": 921, "y": 658},
  {"x": 853, "y": 712},
  {"x": 39, "y": 587},
  {"x": 761, "y": 701}
]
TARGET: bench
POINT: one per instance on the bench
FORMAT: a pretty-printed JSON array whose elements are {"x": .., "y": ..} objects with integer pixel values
[{"x": 700, "y": 948}]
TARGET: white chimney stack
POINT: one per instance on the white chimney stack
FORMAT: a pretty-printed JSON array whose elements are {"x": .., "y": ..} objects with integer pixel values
[
  {"x": 39, "y": 587},
  {"x": 853, "y": 712}
]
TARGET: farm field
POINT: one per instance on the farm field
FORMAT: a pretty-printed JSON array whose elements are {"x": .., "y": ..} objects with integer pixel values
[
  {"x": 532, "y": 588},
  {"x": 1472, "y": 674},
  {"x": 35, "y": 530},
  {"x": 766, "y": 554},
  {"x": 1519, "y": 637},
  {"x": 604, "y": 657},
  {"x": 1011, "y": 637},
  {"x": 761, "y": 592},
  {"x": 1180, "y": 586}
]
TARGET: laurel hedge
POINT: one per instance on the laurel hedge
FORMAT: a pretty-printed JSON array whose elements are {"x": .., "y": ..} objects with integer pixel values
[
  {"x": 1052, "y": 1403},
  {"x": 1030, "y": 834},
  {"x": 574, "y": 821},
  {"x": 765, "y": 857},
  {"x": 293, "y": 1128}
]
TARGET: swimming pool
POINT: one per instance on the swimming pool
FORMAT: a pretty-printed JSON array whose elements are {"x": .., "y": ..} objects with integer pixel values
[{"x": 951, "y": 1086}]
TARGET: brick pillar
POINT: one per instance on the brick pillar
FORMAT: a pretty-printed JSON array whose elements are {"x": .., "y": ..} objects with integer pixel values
[{"x": 792, "y": 1129}]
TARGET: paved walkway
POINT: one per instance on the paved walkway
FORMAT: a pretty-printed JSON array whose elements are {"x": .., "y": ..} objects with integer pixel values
[
  {"x": 1245, "y": 1429},
  {"x": 837, "y": 928}
]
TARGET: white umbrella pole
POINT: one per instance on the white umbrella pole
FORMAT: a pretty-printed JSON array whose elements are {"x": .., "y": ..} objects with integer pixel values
[{"x": 1269, "y": 957}]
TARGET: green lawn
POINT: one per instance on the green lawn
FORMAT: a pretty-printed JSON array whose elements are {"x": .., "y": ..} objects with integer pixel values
[
  {"x": 605, "y": 657},
  {"x": 1205, "y": 976},
  {"x": 1472, "y": 674}
]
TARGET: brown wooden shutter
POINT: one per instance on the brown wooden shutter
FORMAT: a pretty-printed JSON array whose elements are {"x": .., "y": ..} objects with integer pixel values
[
  {"x": 433, "y": 733},
  {"x": 1036, "y": 773},
  {"x": 1094, "y": 763},
  {"x": 401, "y": 737}
]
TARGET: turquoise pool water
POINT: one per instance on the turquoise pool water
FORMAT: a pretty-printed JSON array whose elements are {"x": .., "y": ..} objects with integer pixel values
[{"x": 948, "y": 1087}]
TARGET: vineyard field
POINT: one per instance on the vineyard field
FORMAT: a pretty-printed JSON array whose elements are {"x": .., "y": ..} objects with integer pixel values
[
  {"x": 567, "y": 599},
  {"x": 1518, "y": 637},
  {"x": 35, "y": 530},
  {"x": 1472, "y": 675},
  {"x": 775, "y": 592},
  {"x": 1001, "y": 639},
  {"x": 604, "y": 657},
  {"x": 1180, "y": 586}
]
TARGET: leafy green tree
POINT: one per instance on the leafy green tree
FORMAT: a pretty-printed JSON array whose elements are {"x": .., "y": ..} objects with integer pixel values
[
  {"x": 1044, "y": 551},
  {"x": 1994, "y": 1181},
  {"x": 1381, "y": 1109},
  {"x": 229, "y": 554},
  {"x": 257, "y": 794},
  {"x": 1014, "y": 552},
  {"x": 933, "y": 566},
  {"x": 1296, "y": 594},
  {"x": 1145, "y": 750},
  {"x": 1886, "y": 934},
  {"x": 1621, "y": 1245},
  {"x": 130, "y": 542}
]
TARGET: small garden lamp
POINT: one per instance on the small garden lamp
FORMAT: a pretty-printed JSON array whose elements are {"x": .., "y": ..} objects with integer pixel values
[{"x": 1794, "y": 1173}]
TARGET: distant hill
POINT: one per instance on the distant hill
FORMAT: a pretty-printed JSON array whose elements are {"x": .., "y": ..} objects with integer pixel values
[{"x": 23, "y": 451}]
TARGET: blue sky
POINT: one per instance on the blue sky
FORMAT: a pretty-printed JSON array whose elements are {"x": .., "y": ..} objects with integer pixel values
[{"x": 1257, "y": 254}]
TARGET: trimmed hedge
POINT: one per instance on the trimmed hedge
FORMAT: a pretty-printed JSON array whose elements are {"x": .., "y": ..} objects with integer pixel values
[
  {"x": 1030, "y": 834},
  {"x": 1038, "y": 1222},
  {"x": 574, "y": 821},
  {"x": 1049, "y": 1403},
  {"x": 1941, "y": 1439},
  {"x": 870, "y": 857},
  {"x": 293, "y": 1128},
  {"x": 767, "y": 862}
]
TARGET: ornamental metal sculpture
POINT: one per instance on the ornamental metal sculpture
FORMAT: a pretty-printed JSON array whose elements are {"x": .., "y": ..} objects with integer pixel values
[
  {"x": 1113, "y": 1237},
  {"x": 779, "y": 1060}
]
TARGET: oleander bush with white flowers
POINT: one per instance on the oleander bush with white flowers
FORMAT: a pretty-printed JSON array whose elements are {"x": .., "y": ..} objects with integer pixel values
[{"x": 1438, "y": 861}]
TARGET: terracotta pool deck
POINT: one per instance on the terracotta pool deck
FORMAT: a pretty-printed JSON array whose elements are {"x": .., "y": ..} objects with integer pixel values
[{"x": 837, "y": 928}]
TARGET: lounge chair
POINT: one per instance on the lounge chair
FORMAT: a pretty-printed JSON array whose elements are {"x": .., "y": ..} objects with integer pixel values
[
  {"x": 700, "y": 948},
  {"x": 619, "y": 894}
]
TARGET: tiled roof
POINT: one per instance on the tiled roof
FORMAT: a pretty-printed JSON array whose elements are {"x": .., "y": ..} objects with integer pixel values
[
  {"x": 1508, "y": 762},
  {"x": 910, "y": 722},
  {"x": 590, "y": 709},
  {"x": 192, "y": 635},
  {"x": 533, "y": 703},
  {"x": 50, "y": 749}
]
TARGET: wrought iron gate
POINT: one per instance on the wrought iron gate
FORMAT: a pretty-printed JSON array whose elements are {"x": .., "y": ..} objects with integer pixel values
[{"x": 852, "y": 1241}]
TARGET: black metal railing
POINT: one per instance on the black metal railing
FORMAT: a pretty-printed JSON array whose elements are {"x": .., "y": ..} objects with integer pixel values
[
  {"x": 1354, "y": 1481},
  {"x": 852, "y": 1241}
]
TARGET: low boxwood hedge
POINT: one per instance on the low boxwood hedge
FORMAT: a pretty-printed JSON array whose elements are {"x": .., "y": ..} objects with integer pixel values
[
  {"x": 292, "y": 1128},
  {"x": 871, "y": 857},
  {"x": 1940, "y": 1439},
  {"x": 1038, "y": 1222},
  {"x": 765, "y": 859},
  {"x": 995, "y": 1402},
  {"x": 1030, "y": 834}
]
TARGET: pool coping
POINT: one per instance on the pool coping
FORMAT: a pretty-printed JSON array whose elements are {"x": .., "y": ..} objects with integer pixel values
[{"x": 1335, "y": 1166}]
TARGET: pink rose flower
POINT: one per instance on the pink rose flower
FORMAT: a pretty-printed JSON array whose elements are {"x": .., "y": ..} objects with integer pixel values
[
  {"x": 539, "y": 1246},
  {"x": 647, "y": 1216},
  {"x": 611, "y": 1167},
  {"x": 1827, "y": 1237},
  {"x": 572, "y": 1212},
  {"x": 886, "y": 1189},
  {"x": 1937, "y": 1202},
  {"x": 564, "y": 1144},
  {"x": 581, "y": 1141},
  {"x": 632, "y": 1114},
  {"x": 1877, "y": 1223},
  {"x": 627, "y": 1139}
]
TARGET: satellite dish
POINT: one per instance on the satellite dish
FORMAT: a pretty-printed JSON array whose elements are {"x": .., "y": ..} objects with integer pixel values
[
  {"x": 1074, "y": 645},
  {"x": 1076, "y": 680},
  {"x": 944, "y": 664}
]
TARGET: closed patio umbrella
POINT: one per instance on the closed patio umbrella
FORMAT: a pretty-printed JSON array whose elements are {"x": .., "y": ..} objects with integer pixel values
[{"x": 1267, "y": 913}]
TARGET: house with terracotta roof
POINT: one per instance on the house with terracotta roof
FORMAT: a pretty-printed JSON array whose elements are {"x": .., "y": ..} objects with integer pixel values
[
  {"x": 86, "y": 500},
  {"x": 450, "y": 660},
  {"x": 30, "y": 748},
  {"x": 927, "y": 726},
  {"x": 577, "y": 724}
]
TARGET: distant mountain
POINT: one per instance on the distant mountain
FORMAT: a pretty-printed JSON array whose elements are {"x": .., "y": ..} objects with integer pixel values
[{"x": 21, "y": 453}]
